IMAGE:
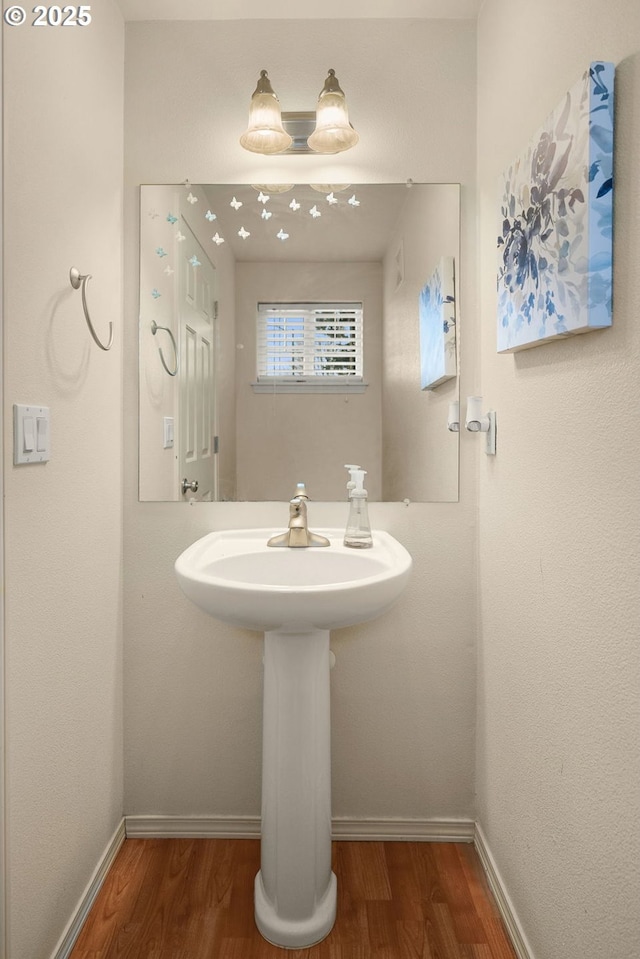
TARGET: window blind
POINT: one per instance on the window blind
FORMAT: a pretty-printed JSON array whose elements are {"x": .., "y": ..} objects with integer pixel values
[{"x": 309, "y": 342}]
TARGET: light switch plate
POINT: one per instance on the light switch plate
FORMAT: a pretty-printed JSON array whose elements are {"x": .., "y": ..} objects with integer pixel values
[{"x": 31, "y": 434}]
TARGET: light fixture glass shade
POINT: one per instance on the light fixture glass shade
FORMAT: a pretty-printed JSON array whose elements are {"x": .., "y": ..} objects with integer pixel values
[
  {"x": 453, "y": 417},
  {"x": 265, "y": 133},
  {"x": 333, "y": 132},
  {"x": 329, "y": 187},
  {"x": 273, "y": 187}
]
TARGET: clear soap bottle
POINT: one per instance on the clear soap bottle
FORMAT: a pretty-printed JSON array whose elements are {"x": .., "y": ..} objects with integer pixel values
[{"x": 358, "y": 531}]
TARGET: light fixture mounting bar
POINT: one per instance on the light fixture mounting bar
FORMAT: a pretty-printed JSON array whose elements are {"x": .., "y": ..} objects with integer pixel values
[{"x": 299, "y": 125}]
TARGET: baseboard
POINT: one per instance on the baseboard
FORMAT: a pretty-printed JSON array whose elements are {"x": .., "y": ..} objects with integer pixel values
[
  {"x": 248, "y": 827},
  {"x": 80, "y": 913},
  {"x": 514, "y": 929},
  {"x": 192, "y": 827},
  {"x": 404, "y": 830}
]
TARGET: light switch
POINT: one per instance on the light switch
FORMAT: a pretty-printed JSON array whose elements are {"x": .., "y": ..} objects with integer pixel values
[
  {"x": 28, "y": 441},
  {"x": 31, "y": 434},
  {"x": 42, "y": 434},
  {"x": 168, "y": 432}
]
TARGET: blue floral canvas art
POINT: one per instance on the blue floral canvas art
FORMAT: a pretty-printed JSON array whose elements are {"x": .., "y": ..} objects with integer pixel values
[
  {"x": 556, "y": 222},
  {"x": 437, "y": 312}
]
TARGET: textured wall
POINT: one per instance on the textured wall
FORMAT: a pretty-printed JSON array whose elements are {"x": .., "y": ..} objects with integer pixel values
[
  {"x": 557, "y": 769},
  {"x": 63, "y": 208},
  {"x": 403, "y": 688}
]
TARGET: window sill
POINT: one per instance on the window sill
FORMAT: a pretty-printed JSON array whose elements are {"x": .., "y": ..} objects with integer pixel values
[{"x": 306, "y": 386}]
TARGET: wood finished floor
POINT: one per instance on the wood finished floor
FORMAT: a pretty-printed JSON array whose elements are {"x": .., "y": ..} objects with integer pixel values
[{"x": 193, "y": 899}]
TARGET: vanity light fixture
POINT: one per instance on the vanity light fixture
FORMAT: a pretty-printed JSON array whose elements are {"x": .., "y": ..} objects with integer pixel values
[
  {"x": 326, "y": 131},
  {"x": 478, "y": 422},
  {"x": 453, "y": 417}
]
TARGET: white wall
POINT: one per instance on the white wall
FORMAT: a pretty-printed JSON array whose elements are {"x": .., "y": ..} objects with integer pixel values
[
  {"x": 63, "y": 208},
  {"x": 404, "y": 686},
  {"x": 558, "y": 774}
]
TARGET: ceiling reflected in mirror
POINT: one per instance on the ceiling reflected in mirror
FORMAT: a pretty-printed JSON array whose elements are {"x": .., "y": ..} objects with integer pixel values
[{"x": 323, "y": 221}]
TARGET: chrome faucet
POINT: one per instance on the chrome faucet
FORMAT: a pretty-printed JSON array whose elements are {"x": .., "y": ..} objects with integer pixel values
[{"x": 298, "y": 534}]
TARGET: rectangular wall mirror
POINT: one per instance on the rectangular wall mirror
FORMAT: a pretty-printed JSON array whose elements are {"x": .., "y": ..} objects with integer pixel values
[{"x": 280, "y": 338}]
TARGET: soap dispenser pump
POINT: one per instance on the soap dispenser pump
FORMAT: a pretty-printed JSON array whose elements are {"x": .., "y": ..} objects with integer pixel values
[
  {"x": 358, "y": 531},
  {"x": 351, "y": 484}
]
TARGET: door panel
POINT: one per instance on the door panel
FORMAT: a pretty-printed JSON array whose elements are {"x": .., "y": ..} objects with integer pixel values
[{"x": 196, "y": 316}]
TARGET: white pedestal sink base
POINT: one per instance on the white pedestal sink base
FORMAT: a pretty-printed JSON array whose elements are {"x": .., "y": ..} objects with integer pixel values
[
  {"x": 295, "y": 890},
  {"x": 295, "y": 934}
]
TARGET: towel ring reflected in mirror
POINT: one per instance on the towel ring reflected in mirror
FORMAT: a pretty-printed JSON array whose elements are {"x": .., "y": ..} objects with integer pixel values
[{"x": 154, "y": 330}]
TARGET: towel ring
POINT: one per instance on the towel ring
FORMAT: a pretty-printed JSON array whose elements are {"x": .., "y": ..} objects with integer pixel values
[
  {"x": 154, "y": 330},
  {"x": 78, "y": 280}
]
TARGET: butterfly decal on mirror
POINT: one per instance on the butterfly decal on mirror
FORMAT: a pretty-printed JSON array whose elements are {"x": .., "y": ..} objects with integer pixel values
[
  {"x": 160, "y": 252},
  {"x": 194, "y": 261},
  {"x": 243, "y": 233},
  {"x": 155, "y": 293},
  {"x": 352, "y": 201},
  {"x": 217, "y": 239},
  {"x": 210, "y": 216},
  {"x": 266, "y": 214},
  {"x": 315, "y": 212},
  {"x": 192, "y": 199},
  {"x": 236, "y": 204},
  {"x": 282, "y": 235},
  {"x": 171, "y": 218},
  {"x": 263, "y": 197},
  {"x": 294, "y": 205}
]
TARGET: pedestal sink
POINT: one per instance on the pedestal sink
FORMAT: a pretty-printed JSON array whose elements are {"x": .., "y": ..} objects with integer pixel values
[{"x": 294, "y": 596}]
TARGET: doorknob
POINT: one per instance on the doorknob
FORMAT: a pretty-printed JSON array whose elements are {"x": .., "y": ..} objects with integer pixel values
[{"x": 186, "y": 485}]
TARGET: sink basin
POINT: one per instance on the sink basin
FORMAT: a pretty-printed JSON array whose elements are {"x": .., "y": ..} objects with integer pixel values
[
  {"x": 294, "y": 596},
  {"x": 234, "y": 576}
]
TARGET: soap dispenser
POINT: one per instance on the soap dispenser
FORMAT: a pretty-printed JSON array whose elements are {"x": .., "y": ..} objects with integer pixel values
[{"x": 358, "y": 531}]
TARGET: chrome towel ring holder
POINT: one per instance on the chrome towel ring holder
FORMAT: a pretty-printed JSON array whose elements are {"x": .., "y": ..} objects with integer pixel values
[
  {"x": 154, "y": 330},
  {"x": 79, "y": 280}
]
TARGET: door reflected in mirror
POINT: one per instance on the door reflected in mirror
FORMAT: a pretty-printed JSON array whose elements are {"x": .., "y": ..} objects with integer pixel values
[{"x": 295, "y": 311}]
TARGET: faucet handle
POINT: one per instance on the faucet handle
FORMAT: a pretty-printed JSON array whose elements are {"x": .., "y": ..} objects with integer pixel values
[{"x": 301, "y": 491}]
